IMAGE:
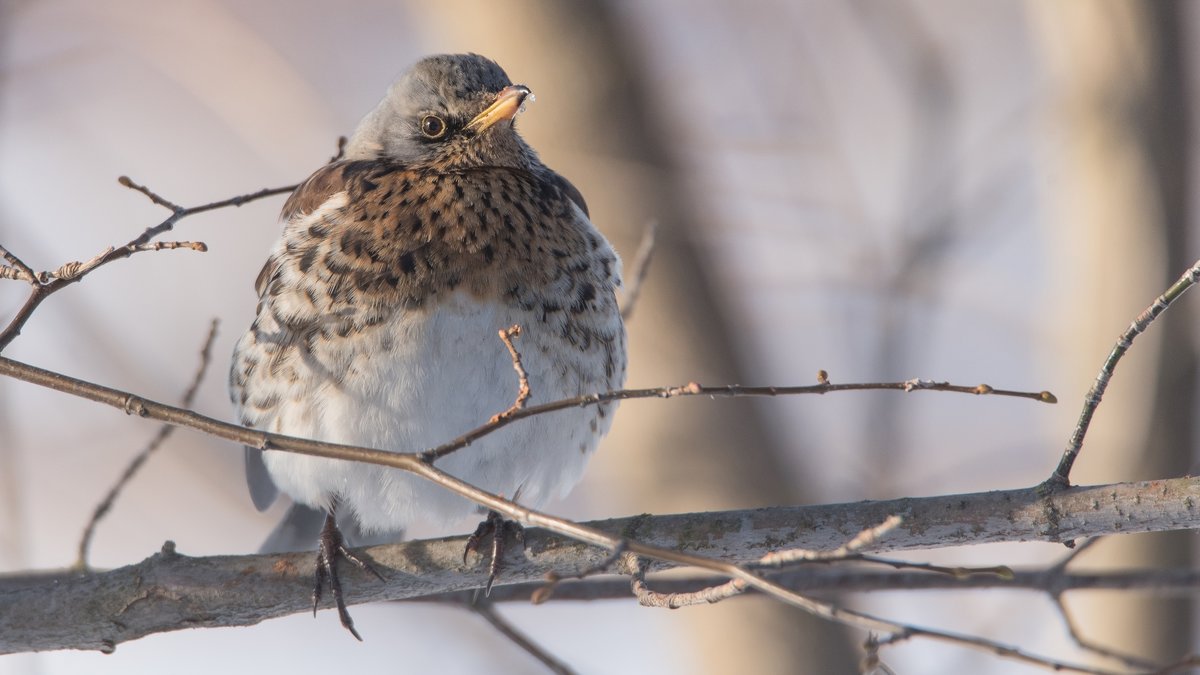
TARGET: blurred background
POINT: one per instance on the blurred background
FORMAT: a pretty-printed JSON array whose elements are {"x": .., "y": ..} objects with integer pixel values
[{"x": 961, "y": 190}]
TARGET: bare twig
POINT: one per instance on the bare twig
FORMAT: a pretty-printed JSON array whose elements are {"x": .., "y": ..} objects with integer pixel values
[
  {"x": 14, "y": 274},
  {"x": 546, "y": 591},
  {"x": 179, "y": 212},
  {"x": 523, "y": 391},
  {"x": 73, "y": 270},
  {"x": 1060, "y": 567},
  {"x": 1075, "y": 552},
  {"x": 46, "y": 284},
  {"x": 16, "y": 269},
  {"x": 1128, "y": 660},
  {"x": 720, "y": 391},
  {"x": 998, "y": 649},
  {"x": 958, "y": 571},
  {"x": 1062, "y": 473},
  {"x": 860, "y": 541},
  {"x": 733, "y": 587},
  {"x": 648, "y": 597},
  {"x": 164, "y": 432},
  {"x": 488, "y": 612},
  {"x": 638, "y": 270}
]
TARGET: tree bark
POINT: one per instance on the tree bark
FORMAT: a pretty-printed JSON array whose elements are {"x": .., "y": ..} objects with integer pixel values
[{"x": 169, "y": 591}]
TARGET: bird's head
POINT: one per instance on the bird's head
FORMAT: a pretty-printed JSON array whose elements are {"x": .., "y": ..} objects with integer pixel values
[{"x": 448, "y": 111}]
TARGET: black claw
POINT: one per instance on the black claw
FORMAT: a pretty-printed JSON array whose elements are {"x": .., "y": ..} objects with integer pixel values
[
  {"x": 332, "y": 546},
  {"x": 499, "y": 528}
]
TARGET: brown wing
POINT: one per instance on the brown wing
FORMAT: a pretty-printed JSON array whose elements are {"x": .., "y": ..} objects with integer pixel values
[{"x": 326, "y": 181}]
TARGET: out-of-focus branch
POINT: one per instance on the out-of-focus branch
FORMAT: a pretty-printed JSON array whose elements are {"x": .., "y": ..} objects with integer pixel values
[
  {"x": 635, "y": 276},
  {"x": 488, "y": 612},
  {"x": 164, "y": 432}
]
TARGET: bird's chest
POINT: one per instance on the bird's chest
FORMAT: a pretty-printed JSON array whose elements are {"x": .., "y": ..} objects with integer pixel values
[{"x": 420, "y": 377}]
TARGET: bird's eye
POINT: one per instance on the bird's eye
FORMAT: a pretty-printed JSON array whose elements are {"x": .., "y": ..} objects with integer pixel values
[{"x": 433, "y": 126}]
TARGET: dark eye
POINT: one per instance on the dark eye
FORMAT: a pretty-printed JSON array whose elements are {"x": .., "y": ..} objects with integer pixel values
[{"x": 433, "y": 126}]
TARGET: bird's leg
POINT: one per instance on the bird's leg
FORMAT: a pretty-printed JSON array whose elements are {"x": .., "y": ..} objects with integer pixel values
[
  {"x": 499, "y": 528},
  {"x": 331, "y": 546}
]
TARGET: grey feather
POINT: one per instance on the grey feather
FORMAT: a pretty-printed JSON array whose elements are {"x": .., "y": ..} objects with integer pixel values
[{"x": 262, "y": 489}]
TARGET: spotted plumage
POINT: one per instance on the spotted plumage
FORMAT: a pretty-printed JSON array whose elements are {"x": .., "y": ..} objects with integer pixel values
[{"x": 380, "y": 306}]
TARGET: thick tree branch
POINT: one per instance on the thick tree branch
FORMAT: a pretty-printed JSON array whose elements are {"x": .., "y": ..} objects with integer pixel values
[{"x": 169, "y": 591}]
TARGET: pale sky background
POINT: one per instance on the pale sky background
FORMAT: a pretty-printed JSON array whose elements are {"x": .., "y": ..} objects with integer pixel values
[{"x": 800, "y": 136}]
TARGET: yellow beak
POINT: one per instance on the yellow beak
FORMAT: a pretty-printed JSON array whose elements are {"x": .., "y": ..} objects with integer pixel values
[{"x": 506, "y": 106}]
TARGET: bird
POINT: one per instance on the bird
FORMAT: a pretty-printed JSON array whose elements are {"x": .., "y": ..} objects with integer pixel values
[{"x": 380, "y": 309}]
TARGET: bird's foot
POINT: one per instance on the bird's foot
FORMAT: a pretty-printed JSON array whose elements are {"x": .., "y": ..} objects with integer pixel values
[
  {"x": 331, "y": 547},
  {"x": 499, "y": 528}
]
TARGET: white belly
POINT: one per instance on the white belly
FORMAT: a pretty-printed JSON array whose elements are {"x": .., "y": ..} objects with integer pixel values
[{"x": 421, "y": 380}]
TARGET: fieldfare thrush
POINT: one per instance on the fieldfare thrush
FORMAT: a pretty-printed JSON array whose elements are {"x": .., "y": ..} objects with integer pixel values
[{"x": 380, "y": 306}]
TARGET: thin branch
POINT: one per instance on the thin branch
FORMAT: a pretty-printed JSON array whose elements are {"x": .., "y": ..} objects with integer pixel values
[
  {"x": 523, "y": 390},
  {"x": 1060, "y": 567},
  {"x": 553, "y": 579},
  {"x": 845, "y": 578},
  {"x": 1062, "y": 473},
  {"x": 720, "y": 391},
  {"x": 488, "y": 612},
  {"x": 164, "y": 432},
  {"x": 712, "y": 594},
  {"x": 958, "y": 571},
  {"x": 73, "y": 270},
  {"x": 16, "y": 269},
  {"x": 179, "y": 212},
  {"x": 1075, "y": 552},
  {"x": 864, "y": 539},
  {"x": 1128, "y": 660},
  {"x": 14, "y": 274},
  {"x": 46, "y": 284},
  {"x": 647, "y": 597},
  {"x": 639, "y": 268},
  {"x": 996, "y": 648}
]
